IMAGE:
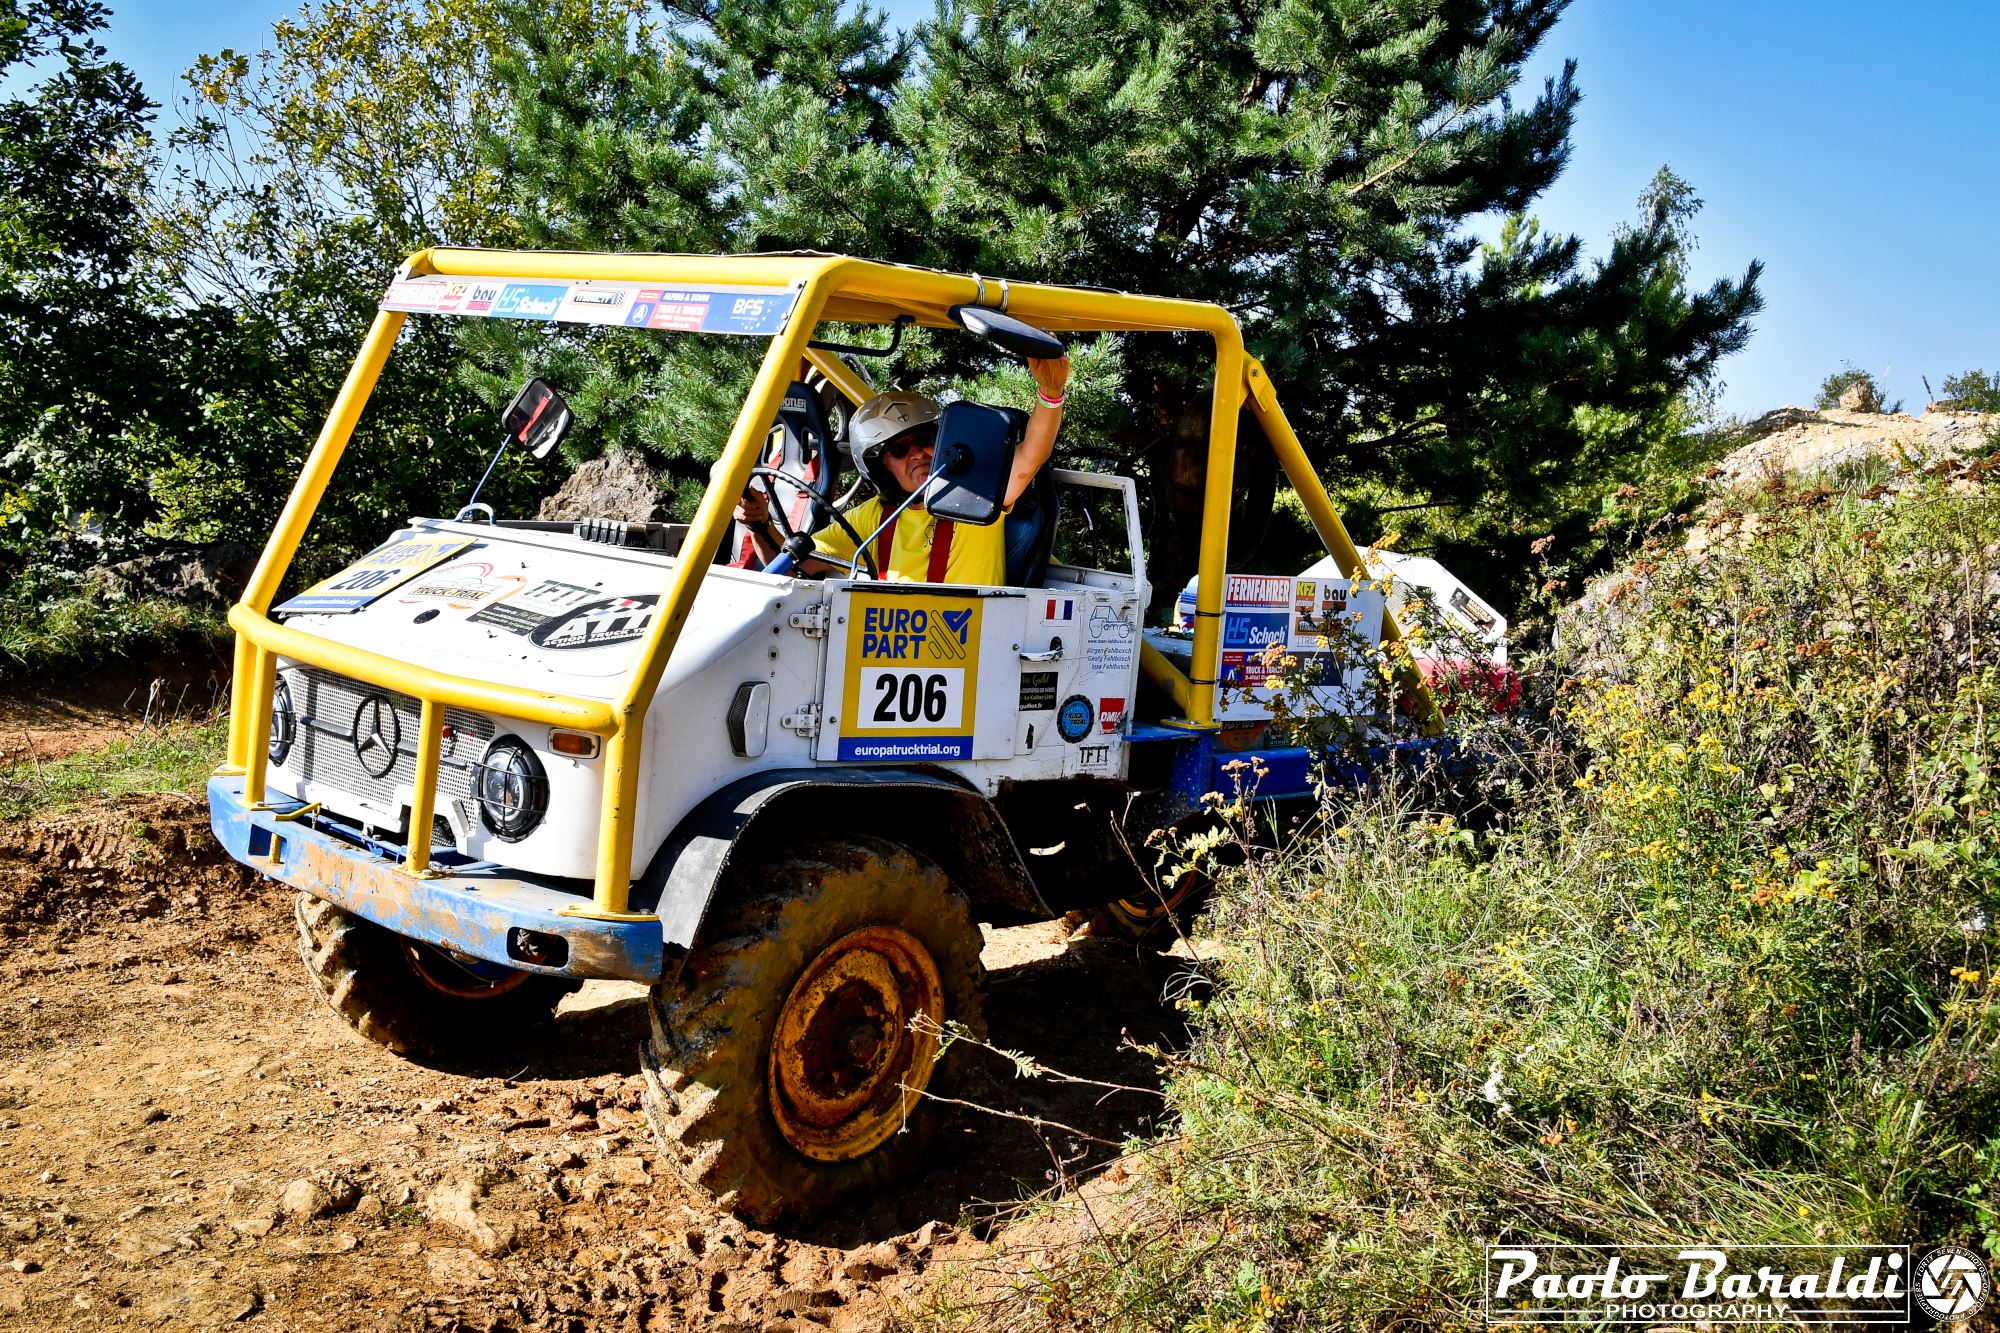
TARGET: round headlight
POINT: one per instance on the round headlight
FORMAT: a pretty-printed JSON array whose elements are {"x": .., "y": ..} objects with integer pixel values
[
  {"x": 513, "y": 790},
  {"x": 284, "y": 722}
]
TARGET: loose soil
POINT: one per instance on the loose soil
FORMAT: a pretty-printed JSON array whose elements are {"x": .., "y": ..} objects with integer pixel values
[
  {"x": 54, "y": 721},
  {"x": 189, "y": 1138}
]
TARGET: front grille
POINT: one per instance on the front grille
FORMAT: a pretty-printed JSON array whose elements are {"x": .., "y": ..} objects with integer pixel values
[{"x": 324, "y": 751}]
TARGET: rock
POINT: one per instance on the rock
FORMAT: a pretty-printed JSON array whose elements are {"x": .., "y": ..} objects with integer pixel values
[
  {"x": 212, "y": 574},
  {"x": 460, "y": 1202},
  {"x": 369, "y": 1209},
  {"x": 877, "y": 1261},
  {"x": 921, "y": 1240},
  {"x": 253, "y": 1228},
  {"x": 24, "y": 1266},
  {"x": 205, "y": 1302},
  {"x": 1861, "y": 396},
  {"x": 618, "y": 486},
  {"x": 321, "y": 1195},
  {"x": 458, "y": 1268},
  {"x": 149, "y": 1115},
  {"x": 624, "y": 1171},
  {"x": 19, "y": 1230},
  {"x": 137, "y": 1248}
]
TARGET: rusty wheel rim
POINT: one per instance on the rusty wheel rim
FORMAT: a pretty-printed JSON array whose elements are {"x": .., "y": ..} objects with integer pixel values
[
  {"x": 461, "y": 978},
  {"x": 1149, "y": 907},
  {"x": 845, "y": 1067}
]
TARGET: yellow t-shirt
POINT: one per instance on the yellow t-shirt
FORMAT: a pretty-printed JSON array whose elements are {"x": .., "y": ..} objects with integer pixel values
[{"x": 977, "y": 555}]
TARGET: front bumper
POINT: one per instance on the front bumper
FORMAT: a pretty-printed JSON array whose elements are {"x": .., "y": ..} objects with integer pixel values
[{"x": 471, "y": 910}]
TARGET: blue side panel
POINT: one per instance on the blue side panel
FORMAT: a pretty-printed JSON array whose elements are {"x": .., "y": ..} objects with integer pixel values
[{"x": 471, "y": 909}]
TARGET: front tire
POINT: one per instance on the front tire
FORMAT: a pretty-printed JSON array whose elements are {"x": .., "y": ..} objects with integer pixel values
[
  {"x": 414, "y": 998},
  {"x": 783, "y": 1073}
]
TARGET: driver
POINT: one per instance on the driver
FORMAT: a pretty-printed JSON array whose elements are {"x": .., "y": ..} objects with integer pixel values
[{"x": 892, "y": 439}]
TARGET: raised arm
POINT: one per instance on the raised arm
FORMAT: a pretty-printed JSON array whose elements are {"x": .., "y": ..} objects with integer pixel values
[{"x": 1039, "y": 441}]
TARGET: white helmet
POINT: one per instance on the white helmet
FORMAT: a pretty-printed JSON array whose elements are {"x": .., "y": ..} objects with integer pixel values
[{"x": 880, "y": 420}]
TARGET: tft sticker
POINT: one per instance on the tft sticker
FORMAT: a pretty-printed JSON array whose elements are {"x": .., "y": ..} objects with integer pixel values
[{"x": 527, "y": 611}]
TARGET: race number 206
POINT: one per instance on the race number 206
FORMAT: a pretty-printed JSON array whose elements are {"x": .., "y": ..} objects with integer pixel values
[{"x": 902, "y": 697}]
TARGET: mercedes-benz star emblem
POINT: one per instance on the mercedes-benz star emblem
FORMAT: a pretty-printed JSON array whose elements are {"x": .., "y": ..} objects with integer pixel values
[{"x": 377, "y": 735}]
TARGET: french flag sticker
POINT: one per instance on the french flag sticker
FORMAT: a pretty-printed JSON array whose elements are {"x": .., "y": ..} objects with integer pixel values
[{"x": 1060, "y": 608}]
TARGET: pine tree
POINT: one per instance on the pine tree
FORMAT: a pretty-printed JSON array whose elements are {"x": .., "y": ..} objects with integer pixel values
[{"x": 1314, "y": 165}]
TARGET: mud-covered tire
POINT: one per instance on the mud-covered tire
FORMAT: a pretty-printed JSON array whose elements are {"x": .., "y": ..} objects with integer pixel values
[
  {"x": 736, "y": 1109},
  {"x": 412, "y": 998},
  {"x": 1158, "y": 915}
]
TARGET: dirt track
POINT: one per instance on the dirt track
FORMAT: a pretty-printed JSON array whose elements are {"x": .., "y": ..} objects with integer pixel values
[{"x": 188, "y": 1138}]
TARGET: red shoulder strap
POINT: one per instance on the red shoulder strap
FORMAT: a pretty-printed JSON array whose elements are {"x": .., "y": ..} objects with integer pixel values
[
  {"x": 940, "y": 550},
  {"x": 885, "y": 546}
]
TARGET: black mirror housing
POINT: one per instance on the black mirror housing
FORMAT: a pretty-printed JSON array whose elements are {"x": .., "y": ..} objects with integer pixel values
[
  {"x": 974, "y": 456},
  {"x": 1002, "y": 330},
  {"x": 538, "y": 418}
]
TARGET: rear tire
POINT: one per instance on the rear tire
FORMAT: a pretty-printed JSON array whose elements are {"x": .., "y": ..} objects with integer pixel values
[
  {"x": 782, "y": 1073},
  {"x": 414, "y": 998}
]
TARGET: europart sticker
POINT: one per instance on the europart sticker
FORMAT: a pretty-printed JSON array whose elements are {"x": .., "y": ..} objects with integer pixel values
[{"x": 911, "y": 677}]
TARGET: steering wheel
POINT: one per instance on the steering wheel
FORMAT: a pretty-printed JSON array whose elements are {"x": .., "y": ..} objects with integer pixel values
[{"x": 787, "y": 532}]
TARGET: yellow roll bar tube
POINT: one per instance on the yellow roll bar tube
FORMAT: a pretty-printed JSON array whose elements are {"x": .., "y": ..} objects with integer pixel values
[
  {"x": 1212, "y": 562},
  {"x": 1263, "y": 399},
  {"x": 731, "y": 473}
]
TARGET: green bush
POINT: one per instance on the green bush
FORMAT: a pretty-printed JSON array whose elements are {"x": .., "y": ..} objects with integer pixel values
[
  {"x": 1722, "y": 968},
  {"x": 51, "y": 629}
]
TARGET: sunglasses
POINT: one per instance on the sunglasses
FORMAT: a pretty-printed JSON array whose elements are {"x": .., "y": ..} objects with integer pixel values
[{"x": 897, "y": 449}]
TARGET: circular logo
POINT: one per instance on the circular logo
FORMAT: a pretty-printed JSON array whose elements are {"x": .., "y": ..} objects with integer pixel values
[
  {"x": 1953, "y": 1283},
  {"x": 1075, "y": 719},
  {"x": 377, "y": 735}
]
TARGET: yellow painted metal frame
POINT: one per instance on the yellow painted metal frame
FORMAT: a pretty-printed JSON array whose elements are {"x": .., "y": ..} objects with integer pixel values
[{"x": 830, "y": 287}]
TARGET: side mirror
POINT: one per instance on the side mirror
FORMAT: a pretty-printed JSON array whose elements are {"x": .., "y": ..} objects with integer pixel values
[
  {"x": 1015, "y": 335},
  {"x": 538, "y": 418},
  {"x": 975, "y": 450}
]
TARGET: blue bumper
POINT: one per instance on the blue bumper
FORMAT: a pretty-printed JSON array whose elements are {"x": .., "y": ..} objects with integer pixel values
[{"x": 472, "y": 909}]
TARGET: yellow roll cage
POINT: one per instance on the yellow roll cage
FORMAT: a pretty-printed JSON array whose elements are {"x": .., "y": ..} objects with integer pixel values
[{"x": 829, "y": 287}]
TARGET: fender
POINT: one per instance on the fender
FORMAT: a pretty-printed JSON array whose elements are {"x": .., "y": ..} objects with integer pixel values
[{"x": 925, "y": 810}]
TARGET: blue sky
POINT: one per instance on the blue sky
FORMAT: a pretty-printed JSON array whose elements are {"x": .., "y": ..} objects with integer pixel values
[{"x": 1855, "y": 148}]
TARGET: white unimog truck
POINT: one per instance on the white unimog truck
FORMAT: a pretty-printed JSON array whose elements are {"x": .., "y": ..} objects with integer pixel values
[{"x": 498, "y": 757}]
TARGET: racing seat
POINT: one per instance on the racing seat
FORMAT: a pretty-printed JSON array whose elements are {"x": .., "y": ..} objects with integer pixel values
[
  {"x": 804, "y": 449},
  {"x": 1031, "y": 532}
]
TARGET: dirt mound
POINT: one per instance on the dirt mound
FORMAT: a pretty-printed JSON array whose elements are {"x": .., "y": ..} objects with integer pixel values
[
  {"x": 155, "y": 857},
  {"x": 1798, "y": 442},
  {"x": 189, "y": 1138}
]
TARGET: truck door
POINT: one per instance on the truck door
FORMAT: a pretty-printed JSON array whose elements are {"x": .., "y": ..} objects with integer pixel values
[{"x": 920, "y": 673}]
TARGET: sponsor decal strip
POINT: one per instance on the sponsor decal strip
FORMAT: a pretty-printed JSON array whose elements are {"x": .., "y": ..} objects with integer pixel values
[{"x": 745, "y": 311}]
